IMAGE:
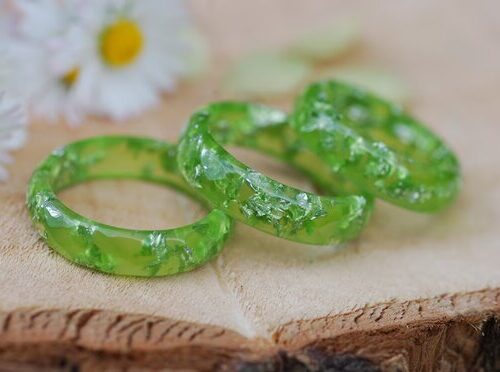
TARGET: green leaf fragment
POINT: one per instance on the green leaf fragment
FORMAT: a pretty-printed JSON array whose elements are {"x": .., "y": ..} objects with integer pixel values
[
  {"x": 197, "y": 60},
  {"x": 382, "y": 83},
  {"x": 266, "y": 74},
  {"x": 327, "y": 42}
]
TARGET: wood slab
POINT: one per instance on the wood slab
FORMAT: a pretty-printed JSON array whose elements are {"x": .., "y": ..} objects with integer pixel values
[{"x": 414, "y": 292}]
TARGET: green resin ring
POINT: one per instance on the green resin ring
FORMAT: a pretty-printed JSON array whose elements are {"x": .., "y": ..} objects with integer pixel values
[
  {"x": 251, "y": 197},
  {"x": 111, "y": 249},
  {"x": 376, "y": 148}
]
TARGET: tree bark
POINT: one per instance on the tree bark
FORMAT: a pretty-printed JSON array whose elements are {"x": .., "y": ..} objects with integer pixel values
[{"x": 448, "y": 333}]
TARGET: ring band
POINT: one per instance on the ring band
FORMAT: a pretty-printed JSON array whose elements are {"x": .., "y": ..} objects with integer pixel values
[
  {"x": 379, "y": 148},
  {"x": 112, "y": 249},
  {"x": 251, "y": 197}
]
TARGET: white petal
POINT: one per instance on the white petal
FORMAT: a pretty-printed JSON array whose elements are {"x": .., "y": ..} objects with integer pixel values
[
  {"x": 122, "y": 98},
  {"x": 12, "y": 129}
]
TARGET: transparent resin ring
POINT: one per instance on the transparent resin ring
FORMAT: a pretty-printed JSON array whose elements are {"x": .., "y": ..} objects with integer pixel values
[
  {"x": 112, "y": 249},
  {"x": 375, "y": 147},
  {"x": 253, "y": 198}
]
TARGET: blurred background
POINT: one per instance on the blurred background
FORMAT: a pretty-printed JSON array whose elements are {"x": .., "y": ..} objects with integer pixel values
[{"x": 115, "y": 66}]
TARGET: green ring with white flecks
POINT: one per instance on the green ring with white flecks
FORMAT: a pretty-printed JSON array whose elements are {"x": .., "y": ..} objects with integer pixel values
[
  {"x": 373, "y": 146},
  {"x": 253, "y": 198},
  {"x": 112, "y": 249}
]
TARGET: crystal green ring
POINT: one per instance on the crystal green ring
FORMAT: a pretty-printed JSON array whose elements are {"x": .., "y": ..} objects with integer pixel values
[
  {"x": 373, "y": 146},
  {"x": 251, "y": 197},
  {"x": 112, "y": 249}
]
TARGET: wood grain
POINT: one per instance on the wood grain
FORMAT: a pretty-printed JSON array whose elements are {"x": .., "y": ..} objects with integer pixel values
[{"x": 414, "y": 292}]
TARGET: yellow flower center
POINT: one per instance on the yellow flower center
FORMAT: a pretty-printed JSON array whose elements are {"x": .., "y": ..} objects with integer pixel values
[
  {"x": 70, "y": 77},
  {"x": 121, "y": 43}
]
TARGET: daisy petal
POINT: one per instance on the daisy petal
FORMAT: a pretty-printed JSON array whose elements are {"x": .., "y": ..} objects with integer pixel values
[{"x": 12, "y": 130}]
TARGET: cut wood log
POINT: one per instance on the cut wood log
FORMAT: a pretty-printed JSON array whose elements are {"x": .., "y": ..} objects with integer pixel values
[
  {"x": 441, "y": 333},
  {"x": 414, "y": 293}
]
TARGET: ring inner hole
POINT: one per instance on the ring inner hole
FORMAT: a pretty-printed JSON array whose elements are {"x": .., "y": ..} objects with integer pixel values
[
  {"x": 132, "y": 204},
  {"x": 126, "y": 188}
]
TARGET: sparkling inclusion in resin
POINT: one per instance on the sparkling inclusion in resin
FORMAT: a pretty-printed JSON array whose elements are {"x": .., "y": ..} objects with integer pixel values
[
  {"x": 112, "y": 249},
  {"x": 373, "y": 146},
  {"x": 254, "y": 198}
]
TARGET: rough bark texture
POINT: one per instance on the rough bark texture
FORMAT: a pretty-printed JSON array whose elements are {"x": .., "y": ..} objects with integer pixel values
[{"x": 447, "y": 333}]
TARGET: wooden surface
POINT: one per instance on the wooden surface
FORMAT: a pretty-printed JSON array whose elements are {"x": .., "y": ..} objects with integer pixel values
[{"x": 268, "y": 294}]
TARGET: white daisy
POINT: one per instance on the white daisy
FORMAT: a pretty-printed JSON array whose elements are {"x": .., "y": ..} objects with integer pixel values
[
  {"x": 133, "y": 50},
  {"x": 105, "y": 57},
  {"x": 12, "y": 130},
  {"x": 45, "y": 60}
]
